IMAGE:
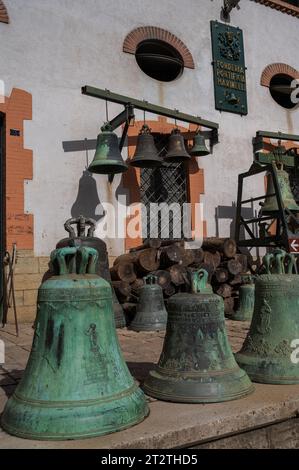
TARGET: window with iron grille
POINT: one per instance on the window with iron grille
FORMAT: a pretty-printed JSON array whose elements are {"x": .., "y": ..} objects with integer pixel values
[{"x": 165, "y": 184}]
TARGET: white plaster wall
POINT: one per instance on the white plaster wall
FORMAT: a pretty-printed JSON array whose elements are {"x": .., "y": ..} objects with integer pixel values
[{"x": 53, "y": 47}]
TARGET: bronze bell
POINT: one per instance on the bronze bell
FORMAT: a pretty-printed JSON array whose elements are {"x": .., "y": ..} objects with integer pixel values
[
  {"x": 268, "y": 350},
  {"x": 246, "y": 300},
  {"x": 107, "y": 159},
  {"x": 81, "y": 238},
  {"x": 270, "y": 205},
  {"x": 176, "y": 148},
  {"x": 199, "y": 148},
  {"x": 146, "y": 155},
  {"x": 197, "y": 364},
  {"x": 151, "y": 314}
]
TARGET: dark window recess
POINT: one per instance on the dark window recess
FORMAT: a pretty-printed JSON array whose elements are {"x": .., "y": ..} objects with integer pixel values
[
  {"x": 281, "y": 90},
  {"x": 159, "y": 60},
  {"x": 166, "y": 184}
]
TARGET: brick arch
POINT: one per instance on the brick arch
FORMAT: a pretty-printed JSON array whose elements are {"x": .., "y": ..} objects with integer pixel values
[
  {"x": 4, "y": 18},
  {"x": 153, "y": 32},
  {"x": 278, "y": 68},
  {"x": 131, "y": 178}
]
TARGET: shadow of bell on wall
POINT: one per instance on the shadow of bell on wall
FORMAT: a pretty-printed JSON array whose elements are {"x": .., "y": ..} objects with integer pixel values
[{"x": 88, "y": 202}]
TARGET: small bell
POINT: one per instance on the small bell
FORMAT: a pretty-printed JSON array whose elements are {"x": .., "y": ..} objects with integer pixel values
[
  {"x": 151, "y": 314},
  {"x": 270, "y": 206},
  {"x": 199, "y": 148},
  {"x": 246, "y": 300},
  {"x": 176, "y": 148},
  {"x": 146, "y": 155},
  {"x": 107, "y": 159},
  {"x": 267, "y": 352},
  {"x": 197, "y": 364}
]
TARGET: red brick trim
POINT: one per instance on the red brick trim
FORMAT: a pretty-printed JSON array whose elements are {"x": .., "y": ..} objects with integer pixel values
[
  {"x": 131, "y": 178},
  {"x": 3, "y": 13},
  {"x": 274, "y": 69},
  {"x": 19, "y": 167},
  {"x": 152, "y": 32},
  {"x": 279, "y": 5}
]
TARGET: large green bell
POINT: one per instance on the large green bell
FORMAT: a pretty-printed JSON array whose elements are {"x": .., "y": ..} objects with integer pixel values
[
  {"x": 151, "y": 314},
  {"x": 107, "y": 159},
  {"x": 197, "y": 364},
  {"x": 246, "y": 300},
  {"x": 266, "y": 354},
  {"x": 270, "y": 206},
  {"x": 76, "y": 383}
]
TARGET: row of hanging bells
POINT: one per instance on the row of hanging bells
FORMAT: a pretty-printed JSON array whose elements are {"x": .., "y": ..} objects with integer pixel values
[{"x": 108, "y": 159}]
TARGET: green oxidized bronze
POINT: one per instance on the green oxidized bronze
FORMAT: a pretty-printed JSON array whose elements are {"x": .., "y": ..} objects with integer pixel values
[
  {"x": 246, "y": 300},
  {"x": 197, "y": 364},
  {"x": 266, "y": 352},
  {"x": 76, "y": 383},
  {"x": 151, "y": 314}
]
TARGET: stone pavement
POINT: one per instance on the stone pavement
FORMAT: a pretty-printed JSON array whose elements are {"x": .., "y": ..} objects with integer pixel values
[{"x": 267, "y": 418}]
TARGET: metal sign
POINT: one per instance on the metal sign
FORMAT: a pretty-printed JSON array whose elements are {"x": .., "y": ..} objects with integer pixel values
[
  {"x": 229, "y": 68},
  {"x": 294, "y": 245}
]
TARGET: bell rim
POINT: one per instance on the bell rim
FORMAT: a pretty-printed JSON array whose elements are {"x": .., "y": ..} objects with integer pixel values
[
  {"x": 142, "y": 162},
  {"x": 105, "y": 167},
  {"x": 177, "y": 158}
]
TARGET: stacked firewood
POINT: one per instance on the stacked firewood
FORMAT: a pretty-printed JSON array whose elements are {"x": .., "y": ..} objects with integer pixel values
[{"x": 171, "y": 263}]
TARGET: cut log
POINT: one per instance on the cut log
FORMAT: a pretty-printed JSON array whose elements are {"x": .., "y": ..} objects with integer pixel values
[
  {"x": 150, "y": 243},
  {"x": 234, "y": 267},
  {"x": 164, "y": 278},
  {"x": 243, "y": 260},
  {"x": 221, "y": 275},
  {"x": 178, "y": 274},
  {"x": 127, "y": 257},
  {"x": 229, "y": 304},
  {"x": 147, "y": 261},
  {"x": 123, "y": 271},
  {"x": 198, "y": 254},
  {"x": 216, "y": 259},
  {"x": 122, "y": 290},
  {"x": 236, "y": 280},
  {"x": 137, "y": 284},
  {"x": 224, "y": 290},
  {"x": 188, "y": 258},
  {"x": 170, "y": 255},
  {"x": 227, "y": 246},
  {"x": 169, "y": 291}
]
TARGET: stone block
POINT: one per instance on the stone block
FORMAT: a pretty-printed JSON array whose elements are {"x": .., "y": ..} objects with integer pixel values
[
  {"x": 27, "y": 281},
  {"x": 43, "y": 264},
  {"x": 27, "y": 265},
  {"x": 30, "y": 297}
]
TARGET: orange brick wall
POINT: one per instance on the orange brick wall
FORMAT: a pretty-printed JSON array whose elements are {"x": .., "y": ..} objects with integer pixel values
[
  {"x": 18, "y": 163},
  {"x": 131, "y": 178}
]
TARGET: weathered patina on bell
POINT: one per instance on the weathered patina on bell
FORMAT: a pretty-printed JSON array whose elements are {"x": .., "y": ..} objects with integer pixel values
[
  {"x": 270, "y": 206},
  {"x": 197, "y": 364},
  {"x": 176, "y": 148},
  {"x": 246, "y": 300},
  {"x": 81, "y": 238},
  {"x": 107, "y": 159},
  {"x": 151, "y": 314},
  {"x": 199, "y": 148},
  {"x": 146, "y": 155},
  {"x": 266, "y": 354},
  {"x": 76, "y": 383}
]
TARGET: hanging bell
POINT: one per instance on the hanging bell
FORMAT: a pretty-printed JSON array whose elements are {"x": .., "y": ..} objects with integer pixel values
[
  {"x": 81, "y": 238},
  {"x": 199, "y": 148},
  {"x": 107, "y": 158},
  {"x": 151, "y": 314},
  {"x": 176, "y": 148},
  {"x": 266, "y": 354},
  {"x": 270, "y": 206},
  {"x": 246, "y": 300},
  {"x": 146, "y": 155},
  {"x": 76, "y": 383},
  {"x": 197, "y": 364}
]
